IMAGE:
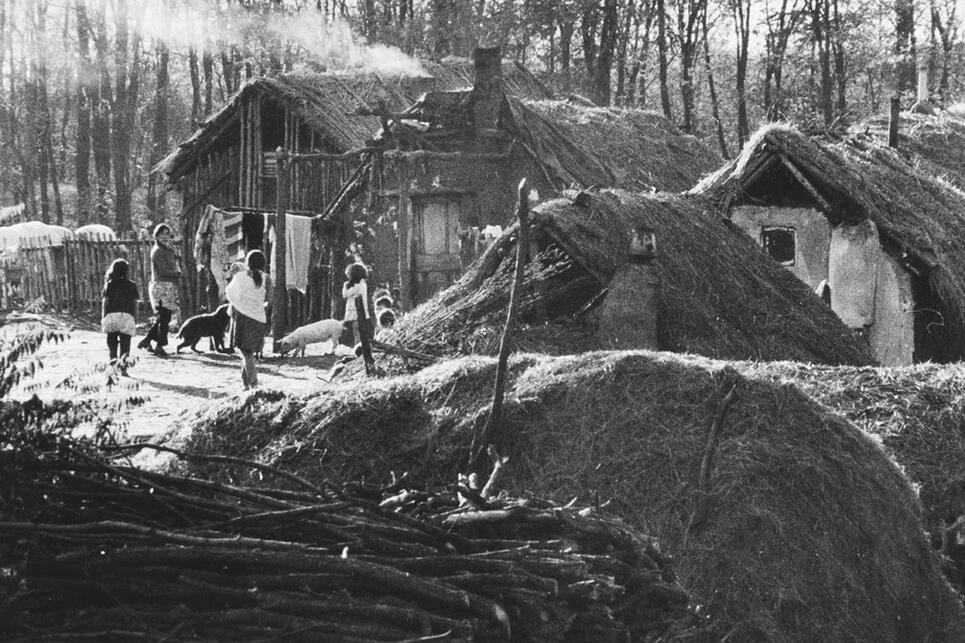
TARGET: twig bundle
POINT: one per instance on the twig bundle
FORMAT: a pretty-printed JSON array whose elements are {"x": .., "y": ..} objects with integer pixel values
[{"x": 104, "y": 551}]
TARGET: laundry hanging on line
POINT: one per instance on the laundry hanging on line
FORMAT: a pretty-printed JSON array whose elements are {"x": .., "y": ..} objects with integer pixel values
[
  {"x": 298, "y": 248},
  {"x": 223, "y": 237}
]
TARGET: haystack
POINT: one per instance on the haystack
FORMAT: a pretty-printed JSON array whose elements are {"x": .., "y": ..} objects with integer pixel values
[
  {"x": 719, "y": 295},
  {"x": 920, "y": 217},
  {"x": 790, "y": 524}
]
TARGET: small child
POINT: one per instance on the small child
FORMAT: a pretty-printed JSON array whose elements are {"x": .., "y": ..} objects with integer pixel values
[
  {"x": 118, "y": 307},
  {"x": 358, "y": 313}
]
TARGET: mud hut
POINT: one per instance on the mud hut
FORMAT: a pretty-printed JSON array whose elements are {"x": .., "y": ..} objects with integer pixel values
[
  {"x": 453, "y": 159},
  {"x": 790, "y": 524},
  {"x": 324, "y": 123},
  {"x": 876, "y": 232},
  {"x": 707, "y": 290}
]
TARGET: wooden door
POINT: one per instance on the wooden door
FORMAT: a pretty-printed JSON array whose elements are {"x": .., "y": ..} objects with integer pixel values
[{"x": 436, "y": 258}]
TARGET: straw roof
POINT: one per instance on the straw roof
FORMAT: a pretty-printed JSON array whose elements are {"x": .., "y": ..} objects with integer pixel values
[
  {"x": 720, "y": 295},
  {"x": 641, "y": 150},
  {"x": 938, "y": 141},
  {"x": 920, "y": 217},
  {"x": 803, "y": 529},
  {"x": 576, "y": 145},
  {"x": 328, "y": 102}
]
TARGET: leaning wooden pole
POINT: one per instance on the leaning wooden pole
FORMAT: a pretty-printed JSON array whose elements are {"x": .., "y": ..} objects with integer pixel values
[
  {"x": 495, "y": 412},
  {"x": 279, "y": 308}
]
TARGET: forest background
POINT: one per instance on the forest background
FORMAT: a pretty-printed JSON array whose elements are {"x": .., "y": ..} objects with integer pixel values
[{"x": 93, "y": 93}]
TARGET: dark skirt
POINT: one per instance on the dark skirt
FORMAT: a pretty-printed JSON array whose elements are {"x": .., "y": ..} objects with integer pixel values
[{"x": 247, "y": 334}]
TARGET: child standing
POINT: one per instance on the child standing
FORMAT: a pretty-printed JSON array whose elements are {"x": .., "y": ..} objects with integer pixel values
[
  {"x": 247, "y": 293},
  {"x": 357, "y": 310},
  {"x": 118, "y": 308}
]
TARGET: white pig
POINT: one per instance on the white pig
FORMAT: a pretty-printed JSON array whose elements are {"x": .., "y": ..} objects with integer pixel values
[{"x": 320, "y": 331}]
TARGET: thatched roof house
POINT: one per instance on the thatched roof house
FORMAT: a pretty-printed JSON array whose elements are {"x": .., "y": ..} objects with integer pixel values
[
  {"x": 878, "y": 234},
  {"x": 326, "y": 109},
  {"x": 453, "y": 160},
  {"x": 326, "y": 122},
  {"x": 709, "y": 290}
]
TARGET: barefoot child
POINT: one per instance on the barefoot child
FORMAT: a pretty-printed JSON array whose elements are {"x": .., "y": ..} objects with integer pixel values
[{"x": 358, "y": 312}]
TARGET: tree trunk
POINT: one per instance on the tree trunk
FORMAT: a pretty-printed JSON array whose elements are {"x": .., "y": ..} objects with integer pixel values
[
  {"x": 662, "y": 62},
  {"x": 207, "y": 63},
  {"x": 127, "y": 86},
  {"x": 631, "y": 24},
  {"x": 742, "y": 30},
  {"x": 836, "y": 36},
  {"x": 588, "y": 24},
  {"x": 688, "y": 23},
  {"x": 157, "y": 204},
  {"x": 904, "y": 45},
  {"x": 604, "y": 60},
  {"x": 711, "y": 86},
  {"x": 195, "y": 87},
  {"x": 101, "y": 124}
]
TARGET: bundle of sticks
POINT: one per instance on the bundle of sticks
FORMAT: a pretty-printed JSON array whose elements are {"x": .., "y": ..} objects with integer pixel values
[{"x": 95, "y": 549}]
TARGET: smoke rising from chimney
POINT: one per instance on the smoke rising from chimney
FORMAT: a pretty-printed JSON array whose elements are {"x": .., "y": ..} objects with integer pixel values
[{"x": 207, "y": 25}]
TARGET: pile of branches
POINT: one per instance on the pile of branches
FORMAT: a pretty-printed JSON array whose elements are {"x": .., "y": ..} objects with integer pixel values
[{"x": 93, "y": 548}]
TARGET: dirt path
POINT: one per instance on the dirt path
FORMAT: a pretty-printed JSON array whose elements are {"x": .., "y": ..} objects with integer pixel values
[{"x": 172, "y": 386}]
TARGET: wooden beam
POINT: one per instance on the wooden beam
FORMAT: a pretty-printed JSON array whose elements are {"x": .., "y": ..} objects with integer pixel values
[
  {"x": 279, "y": 309},
  {"x": 806, "y": 183}
]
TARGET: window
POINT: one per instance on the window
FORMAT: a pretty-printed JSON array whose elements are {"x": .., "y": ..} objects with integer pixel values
[{"x": 779, "y": 244}]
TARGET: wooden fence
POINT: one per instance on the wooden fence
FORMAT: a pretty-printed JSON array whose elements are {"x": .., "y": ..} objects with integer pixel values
[{"x": 71, "y": 276}]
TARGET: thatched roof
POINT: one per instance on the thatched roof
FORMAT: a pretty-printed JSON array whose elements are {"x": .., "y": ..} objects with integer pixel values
[
  {"x": 720, "y": 295},
  {"x": 641, "y": 150},
  {"x": 328, "y": 102},
  {"x": 920, "y": 218},
  {"x": 802, "y": 531},
  {"x": 938, "y": 140},
  {"x": 575, "y": 144}
]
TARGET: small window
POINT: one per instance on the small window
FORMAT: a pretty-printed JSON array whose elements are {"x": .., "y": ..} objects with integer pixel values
[{"x": 779, "y": 244}]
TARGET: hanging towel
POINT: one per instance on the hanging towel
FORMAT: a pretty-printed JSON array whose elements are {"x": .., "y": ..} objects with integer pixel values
[
  {"x": 234, "y": 235},
  {"x": 202, "y": 239},
  {"x": 298, "y": 247},
  {"x": 225, "y": 249}
]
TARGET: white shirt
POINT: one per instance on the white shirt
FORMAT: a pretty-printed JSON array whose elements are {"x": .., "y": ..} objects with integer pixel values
[
  {"x": 246, "y": 298},
  {"x": 351, "y": 294}
]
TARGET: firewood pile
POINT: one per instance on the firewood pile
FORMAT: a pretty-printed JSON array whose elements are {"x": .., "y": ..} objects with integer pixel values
[{"x": 94, "y": 549}]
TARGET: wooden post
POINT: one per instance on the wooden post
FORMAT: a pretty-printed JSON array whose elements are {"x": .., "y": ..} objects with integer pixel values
[
  {"x": 279, "y": 306},
  {"x": 404, "y": 215},
  {"x": 893, "y": 122},
  {"x": 494, "y": 419}
]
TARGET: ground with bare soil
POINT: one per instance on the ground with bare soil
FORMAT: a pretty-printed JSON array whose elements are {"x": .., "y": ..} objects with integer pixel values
[{"x": 170, "y": 387}]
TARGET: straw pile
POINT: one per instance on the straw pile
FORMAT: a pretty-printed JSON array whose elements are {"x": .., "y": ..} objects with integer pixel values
[
  {"x": 94, "y": 550},
  {"x": 917, "y": 413},
  {"x": 719, "y": 296},
  {"x": 785, "y": 521}
]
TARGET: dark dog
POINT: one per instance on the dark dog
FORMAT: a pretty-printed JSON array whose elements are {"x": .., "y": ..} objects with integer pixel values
[
  {"x": 158, "y": 333},
  {"x": 211, "y": 325}
]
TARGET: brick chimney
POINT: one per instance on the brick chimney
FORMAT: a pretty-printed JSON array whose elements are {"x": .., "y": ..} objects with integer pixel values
[{"x": 487, "y": 94}]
